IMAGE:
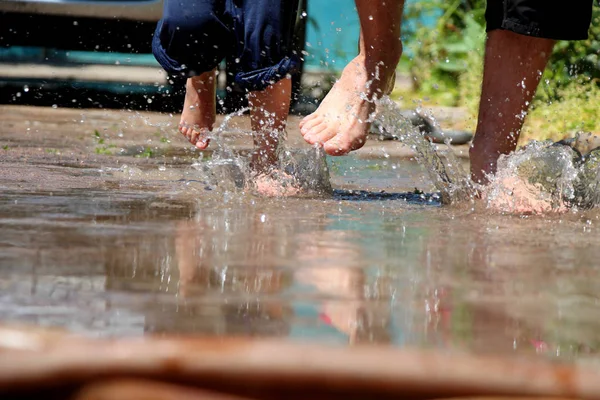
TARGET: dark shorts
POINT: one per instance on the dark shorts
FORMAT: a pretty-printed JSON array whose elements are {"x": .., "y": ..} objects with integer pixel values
[
  {"x": 550, "y": 19},
  {"x": 256, "y": 36}
]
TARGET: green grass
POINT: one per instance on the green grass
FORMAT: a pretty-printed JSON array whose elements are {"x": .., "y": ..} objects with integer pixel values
[
  {"x": 147, "y": 153},
  {"x": 576, "y": 110},
  {"x": 106, "y": 150}
]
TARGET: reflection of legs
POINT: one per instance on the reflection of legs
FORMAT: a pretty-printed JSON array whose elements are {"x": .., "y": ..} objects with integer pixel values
[
  {"x": 333, "y": 271},
  {"x": 269, "y": 112},
  {"x": 340, "y": 123},
  {"x": 190, "y": 256},
  {"x": 513, "y": 68}
]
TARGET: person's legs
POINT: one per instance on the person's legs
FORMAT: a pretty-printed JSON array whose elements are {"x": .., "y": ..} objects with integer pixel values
[
  {"x": 513, "y": 67},
  {"x": 199, "y": 108},
  {"x": 521, "y": 35},
  {"x": 342, "y": 121},
  {"x": 264, "y": 30},
  {"x": 189, "y": 42},
  {"x": 269, "y": 110}
]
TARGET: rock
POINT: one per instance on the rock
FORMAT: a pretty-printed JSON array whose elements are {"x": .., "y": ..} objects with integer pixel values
[{"x": 427, "y": 127}]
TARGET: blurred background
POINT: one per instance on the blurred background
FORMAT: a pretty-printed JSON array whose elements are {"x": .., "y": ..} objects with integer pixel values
[{"x": 96, "y": 54}]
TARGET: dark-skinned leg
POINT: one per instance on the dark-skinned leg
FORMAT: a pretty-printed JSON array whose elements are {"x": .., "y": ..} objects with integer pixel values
[{"x": 513, "y": 67}]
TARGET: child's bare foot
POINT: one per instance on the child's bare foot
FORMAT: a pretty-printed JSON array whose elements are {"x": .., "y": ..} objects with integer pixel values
[
  {"x": 199, "y": 109},
  {"x": 276, "y": 184},
  {"x": 513, "y": 195},
  {"x": 342, "y": 121}
]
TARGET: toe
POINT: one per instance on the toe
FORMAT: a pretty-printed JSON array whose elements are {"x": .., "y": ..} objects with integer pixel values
[
  {"x": 193, "y": 135},
  {"x": 185, "y": 131},
  {"x": 337, "y": 146},
  {"x": 308, "y": 118},
  {"x": 311, "y": 137},
  {"x": 324, "y": 135},
  {"x": 358, "y": 143},
  {"x": 310, "y": 125},
  {"x": 199, "y": 138},
  {"x": 202, "y": 144}
]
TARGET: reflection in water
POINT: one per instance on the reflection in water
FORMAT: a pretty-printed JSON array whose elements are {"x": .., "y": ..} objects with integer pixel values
[
  {"x": 351, "y": 269},
  {"x": 231, "y": 273}
]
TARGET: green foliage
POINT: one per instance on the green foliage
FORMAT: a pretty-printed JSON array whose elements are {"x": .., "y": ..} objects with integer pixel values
[
  {"x": 440, "y": 56},
  {"x": 446, "y": 65},
  {"x": 576, "y": 111},
  {"x": 146, "y": 153},
  {"x": 573, "y": 62},
  {"x": 106, "y": 150}
]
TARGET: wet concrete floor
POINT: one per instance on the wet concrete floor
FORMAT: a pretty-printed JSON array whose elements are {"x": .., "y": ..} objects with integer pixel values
[{"x": 105, "y": 230}]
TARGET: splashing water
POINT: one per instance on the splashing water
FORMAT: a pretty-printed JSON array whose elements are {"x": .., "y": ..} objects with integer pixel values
[
  {"x": 541, "y": 177},
  {"x": 443, "y": 167},
  {"x": 307, "y": 168},
  {"x": 548, "y": 176},
  {"x": 538, "y": 178},
  {"x": 301, "y": 172}
]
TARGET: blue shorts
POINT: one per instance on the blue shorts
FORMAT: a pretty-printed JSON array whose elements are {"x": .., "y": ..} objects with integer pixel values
[{"x": 194, "y": 36}]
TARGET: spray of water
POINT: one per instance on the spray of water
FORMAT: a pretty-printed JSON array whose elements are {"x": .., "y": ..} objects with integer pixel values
[
  {"x": 548, "y": 176},
  {"x": 538, "y": 178},
  {"x": 303, "y": 172},
  {"x": 442, "y": 165}
]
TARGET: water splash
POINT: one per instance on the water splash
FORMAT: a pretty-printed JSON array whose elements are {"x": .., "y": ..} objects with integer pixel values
[
  {"x": 547, "y": 176},
  {"x": 538, "y": 178},
  {"x": 442, "y": 165},
  {"x": 304, "y": 171}
]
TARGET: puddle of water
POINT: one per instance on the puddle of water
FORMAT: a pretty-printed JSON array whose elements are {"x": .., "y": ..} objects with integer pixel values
[
  {"x": 157, "y": 247},
  {"x": 360, "y": 266}
]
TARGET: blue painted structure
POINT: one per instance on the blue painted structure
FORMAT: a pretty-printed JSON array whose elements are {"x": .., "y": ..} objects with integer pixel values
[
  {"x": 331, "y": 36},
  {"x": 332, "y": 33}
]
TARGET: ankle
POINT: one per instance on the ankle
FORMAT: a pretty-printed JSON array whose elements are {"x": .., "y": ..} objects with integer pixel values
[
  {"x": 483, "y": 160},
  {"x": 384, "y": 58}
]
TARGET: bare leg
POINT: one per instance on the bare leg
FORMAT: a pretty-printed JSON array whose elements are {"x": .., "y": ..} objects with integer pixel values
[
  {"x": 199, "y": 109},
  {"x": 269, "y": 112},
  {"x": 341, "y": 122},
  {"x": 513, "y": 67}
]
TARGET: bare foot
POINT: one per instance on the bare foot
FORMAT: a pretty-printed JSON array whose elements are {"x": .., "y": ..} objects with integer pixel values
[
  {"x": 515, "y": 196},
  {"x": 276, "y": 184},
  {"x": 268, "y": 115},
  {"x": 342, "y": 121},
  {"x": 199, "y": 109}
]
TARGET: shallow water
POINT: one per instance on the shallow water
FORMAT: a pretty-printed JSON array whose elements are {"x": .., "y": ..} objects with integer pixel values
[
  {"x": 110, "y": 250},
  {"x": 362, "y": 266}
]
